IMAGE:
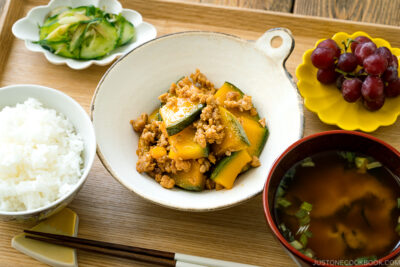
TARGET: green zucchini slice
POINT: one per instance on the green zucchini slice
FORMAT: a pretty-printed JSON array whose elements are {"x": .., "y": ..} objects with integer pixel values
[{"x": 181, "y": 115}]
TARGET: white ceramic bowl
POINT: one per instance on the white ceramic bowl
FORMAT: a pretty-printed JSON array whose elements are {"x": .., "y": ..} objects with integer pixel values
[
  {"x": 131, "y": 86},
  {"x": 27, "y": 29},
  {"x": 54, "y": 99}
]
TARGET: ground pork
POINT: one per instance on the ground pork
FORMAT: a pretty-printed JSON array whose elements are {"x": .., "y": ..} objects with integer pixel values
[
  {"x": 139, "y": 124},
  {"x": 209, "y": 128}
]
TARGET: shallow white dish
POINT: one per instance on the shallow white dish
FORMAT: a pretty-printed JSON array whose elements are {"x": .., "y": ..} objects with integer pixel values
[
  {"x": 27, "y": 29},
  {"x": 54, "y": 99},
  {"x": 131, "y": 86}
]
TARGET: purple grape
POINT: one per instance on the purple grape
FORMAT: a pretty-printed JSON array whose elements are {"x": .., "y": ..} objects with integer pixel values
[
  {"x": 375, "y": 64},
  {"x": 394, "y": 62},
  {"x": 390, "y": 74},
  {"x": 357, "y": 41},
  {"x": 385, "y": 52},
  {"x": 374, "y": 104},
  {"x": 339, "y": 81},
  {"x": 323, "y": 58},
  {"x": 327, "y": 76},
  {"x": 363, "y": 51},
  {"x": 393, "y": 88},
  {"x": 329, "y": 43},
  {"x": 372, "y": 88},
  {"x": 351, "y": 89},
  {"x": 361, "y": 74},
  {"x": 347, "y": 62}
]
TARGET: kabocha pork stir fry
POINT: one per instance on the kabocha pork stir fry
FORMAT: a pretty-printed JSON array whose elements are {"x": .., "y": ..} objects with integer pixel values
[{"x": 201, "y": 137}]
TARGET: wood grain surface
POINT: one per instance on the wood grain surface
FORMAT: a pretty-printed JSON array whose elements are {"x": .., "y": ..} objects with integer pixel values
[
  {"x": 272, "y": 5},
  {"x": 106, "y": 209},
  {"x": 374, "y": 11}
]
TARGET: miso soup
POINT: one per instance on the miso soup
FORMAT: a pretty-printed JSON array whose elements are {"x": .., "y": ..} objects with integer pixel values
[{"x": 339, "y": 205}]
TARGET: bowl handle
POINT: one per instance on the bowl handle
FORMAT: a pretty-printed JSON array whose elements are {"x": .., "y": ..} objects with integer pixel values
[{"x": 281, "y": 53}]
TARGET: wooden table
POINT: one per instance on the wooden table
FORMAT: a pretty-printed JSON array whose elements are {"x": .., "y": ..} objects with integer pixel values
[
  {"x": 373, "y": 11},
  {"x": 195, "y": 227}
]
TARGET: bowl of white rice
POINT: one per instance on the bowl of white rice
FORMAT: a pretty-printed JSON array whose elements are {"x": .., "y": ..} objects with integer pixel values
[{"x": 47, "y": 148}]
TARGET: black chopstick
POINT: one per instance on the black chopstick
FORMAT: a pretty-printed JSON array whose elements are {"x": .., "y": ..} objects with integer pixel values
[
  {"x": 136, "y": 253},
  {"x": 139, "y": 250}
]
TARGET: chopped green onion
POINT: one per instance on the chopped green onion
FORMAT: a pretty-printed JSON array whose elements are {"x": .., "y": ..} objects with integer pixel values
[
  {"x": 303, "y": 240},
  {"x": 398, "y": 203},
  {"x": 305, "y": 220},
  {"x": 397, "y": 229},
  {"x": 309, "y": 253},
  {"x": 308, "y": 234},
  {"x": 283, "y": 202},
  {"x": 373, "y": 165},
  {"x": 280, "y": 191},
  {"x": 302, "y": 229},
  {"x": 301, "y": 213},
  {"x": 306, "y": 206},
  {"x": 365, "y": 260},
  {"x": 282, "y": 226},
  {"x": 296, "y": 244},
  {"x": 360, "y": 162},
  {"x": 307, "y": 162},
  {"x": 349, "y": 156},
  {"x": 290, "y": 173}
]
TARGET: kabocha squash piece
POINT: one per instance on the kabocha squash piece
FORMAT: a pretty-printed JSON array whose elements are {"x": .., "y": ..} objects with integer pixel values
[
  {"x": 227, "y": 87},
  {"x": 183, "y": 146},
  {"x": 192, "y": 180},
  {"x": 220, "y": 96},
  {"x": 158, "y": 152},
  {"x": 257, "y": 135},
  {"x": 155, "y": 115},
  {"x": 181, "y": 115},
  {"x": 228, "y": 168},
  {"x": 235, "y": 136}
]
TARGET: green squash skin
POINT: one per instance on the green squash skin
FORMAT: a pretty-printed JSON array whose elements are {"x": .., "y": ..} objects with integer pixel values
[
  {"x": 235, "y": 88},
  {"x": 178, "y": 126},
  {"x": 190, "y": 187},
  {"x": 260, "y": 149},
  {"x": 238, "y": 128},
  {"x": 222, "y": 164}
]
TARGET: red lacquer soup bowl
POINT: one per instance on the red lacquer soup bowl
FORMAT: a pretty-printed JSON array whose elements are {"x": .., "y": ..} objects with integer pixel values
[{"x": 311, "y": 145}]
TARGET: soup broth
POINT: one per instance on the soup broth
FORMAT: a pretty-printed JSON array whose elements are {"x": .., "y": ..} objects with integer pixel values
[{"x": 339, "y": 206}]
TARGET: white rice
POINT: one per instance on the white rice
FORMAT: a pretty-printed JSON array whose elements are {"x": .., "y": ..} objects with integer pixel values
[{"x": 40, "y": 156}]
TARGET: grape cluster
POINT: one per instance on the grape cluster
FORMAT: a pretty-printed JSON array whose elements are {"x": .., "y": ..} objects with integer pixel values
[{"x": 367, "y": 72}]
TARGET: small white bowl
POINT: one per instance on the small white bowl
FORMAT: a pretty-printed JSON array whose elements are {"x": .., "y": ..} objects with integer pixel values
[
  {"x": 131, "y": 86},
  {"x": 27, "y": 30},
  {"x": 54, "y": 99}
]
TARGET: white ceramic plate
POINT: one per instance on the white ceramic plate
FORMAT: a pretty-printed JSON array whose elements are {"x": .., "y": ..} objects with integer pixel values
[
  {"x": 54, "y": 99},
  {"x": 27, "y": 29},
  {"x": 131, "y": 86}
]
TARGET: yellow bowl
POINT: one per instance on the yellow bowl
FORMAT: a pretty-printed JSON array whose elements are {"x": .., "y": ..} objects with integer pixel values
[{"x": 327, "y": 100}]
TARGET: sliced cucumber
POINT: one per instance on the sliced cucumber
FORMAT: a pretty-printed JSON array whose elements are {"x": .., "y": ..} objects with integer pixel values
[
  {"x": 77, "y": 37},
  {"x": 127, "y": 33},
  {"x": 86, "y": 30},
  {"x": 101, "y": 40}
]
